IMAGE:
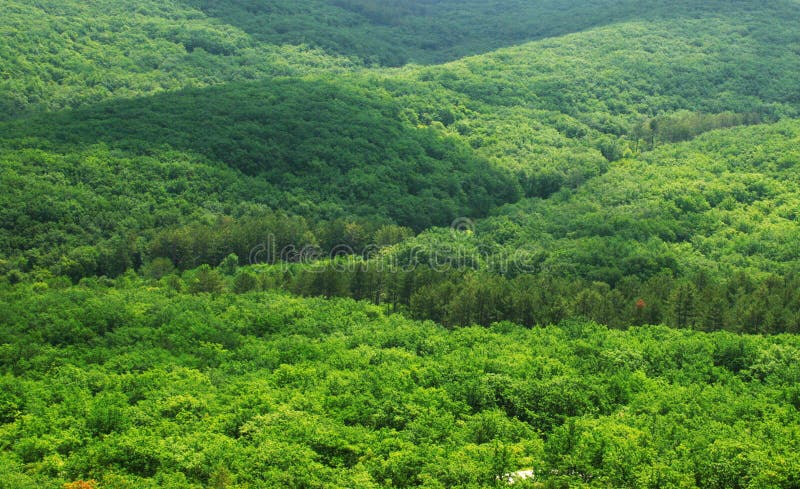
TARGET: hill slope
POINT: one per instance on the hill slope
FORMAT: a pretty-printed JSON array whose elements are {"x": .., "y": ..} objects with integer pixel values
[
  {"x": 628, "y": 162},
  {"x": 415, "y": 146},
  {"x": 725, "y": 201},
  {"x": 69, "y": 53}
]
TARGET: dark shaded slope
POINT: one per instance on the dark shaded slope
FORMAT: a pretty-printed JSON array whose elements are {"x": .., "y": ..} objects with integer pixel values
[
  {"x": 433, "y": 31},
  {"x": 334, "y": 144}
]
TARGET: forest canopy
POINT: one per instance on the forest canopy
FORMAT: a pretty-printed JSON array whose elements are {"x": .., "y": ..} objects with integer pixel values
[
  {"x": 250, "y": 244},
  {"x": 131, "y": 384}
]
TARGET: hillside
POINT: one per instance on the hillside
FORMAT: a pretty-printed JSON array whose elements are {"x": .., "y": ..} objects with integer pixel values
[
  {"x": 68, "y": 53},
  {"x": 724, "y": 202},
  {"x": 414, "y": 146},
  {"x": 254, "y": 244}
]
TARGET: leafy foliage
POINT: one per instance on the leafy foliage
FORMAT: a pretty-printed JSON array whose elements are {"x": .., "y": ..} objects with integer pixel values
[
  {"x": 137, "y": 385},
  {"x": 723, "y": 203},
  {"x": 415, "y": 146},
  {"x": 150, "y": 151}
]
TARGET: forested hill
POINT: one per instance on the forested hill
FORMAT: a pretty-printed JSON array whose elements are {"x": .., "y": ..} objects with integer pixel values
[
  {"x": 66, "y": 53},
  {"x": 255, "y": 244},
  {"x": 275, "y": 128},
  {"x": 401, "y": 32}
]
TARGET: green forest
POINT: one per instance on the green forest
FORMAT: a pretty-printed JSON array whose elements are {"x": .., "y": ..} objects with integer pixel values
[{"x": 254, "y": 244}]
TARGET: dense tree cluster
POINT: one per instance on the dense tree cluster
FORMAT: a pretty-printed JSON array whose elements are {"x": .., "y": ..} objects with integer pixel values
[
  {"x": 741, "y": 303},
  {"x": 420, "y": 147},
  {"x": 61, "y": 54},
  {"x": 723, "y": 203},
  {"x": 133, "y": 384},
  {"x": 170, "y": 172}
]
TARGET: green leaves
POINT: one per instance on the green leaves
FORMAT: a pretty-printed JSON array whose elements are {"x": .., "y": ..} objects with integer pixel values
[
  {"x": 183, "y": 393},
  {"x": 186, "y": 140}
]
